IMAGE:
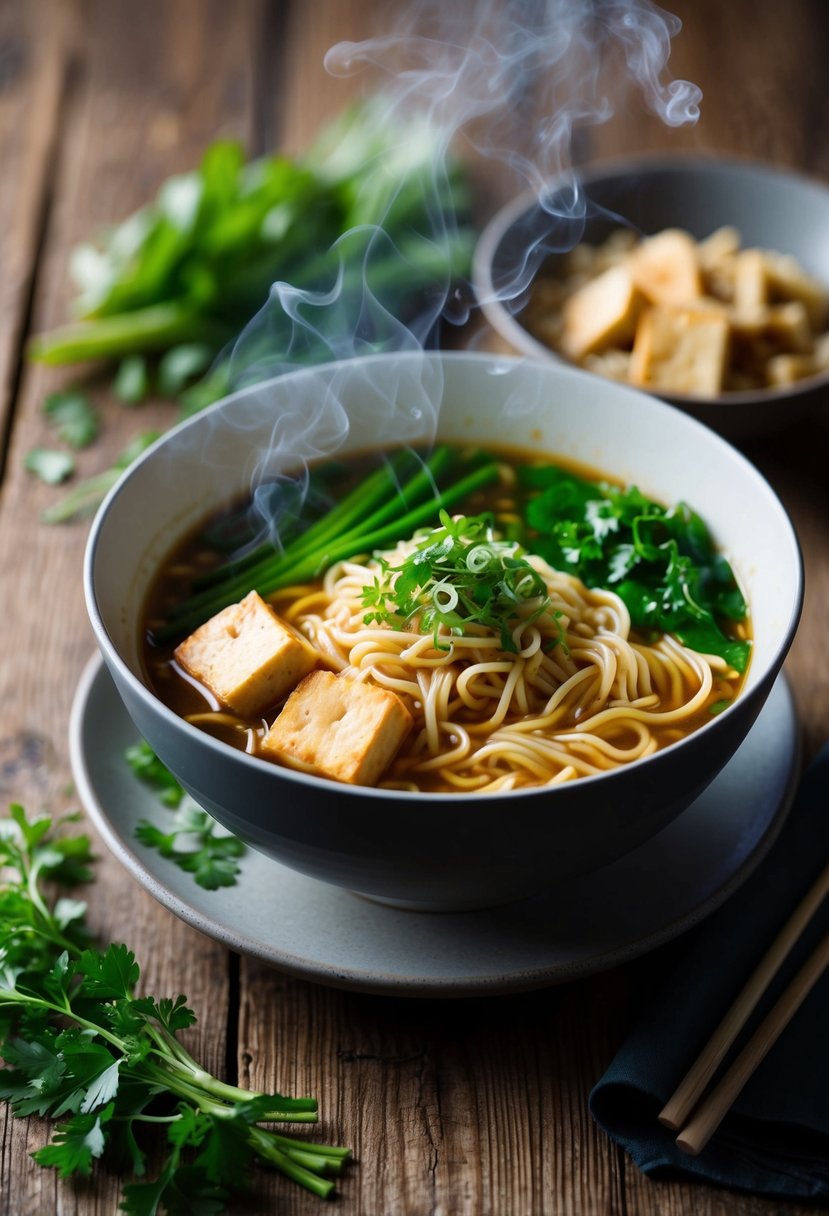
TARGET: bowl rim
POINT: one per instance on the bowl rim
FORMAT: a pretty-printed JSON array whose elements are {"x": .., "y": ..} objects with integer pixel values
[
  {"x": 232, "y": 755},
  {"x": 504, "y": 322}
]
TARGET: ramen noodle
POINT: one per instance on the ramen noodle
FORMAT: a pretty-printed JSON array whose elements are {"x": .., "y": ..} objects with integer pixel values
[{"x": 564, "y": 687}]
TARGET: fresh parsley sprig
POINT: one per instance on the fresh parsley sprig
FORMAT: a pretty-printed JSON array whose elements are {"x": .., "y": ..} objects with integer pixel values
[
  {"x": 147, "y": 767},
  {"x": 194, "y": 840},
  {"x": 459, "y": 575},
  {"x": 197, "y": 845},
  {"x": 83, "y": 1049}
]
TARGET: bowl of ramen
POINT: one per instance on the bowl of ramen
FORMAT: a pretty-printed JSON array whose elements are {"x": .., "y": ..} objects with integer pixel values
[
  {"x": 704, "y": 281},
  {"x": 443, "y": 629}
]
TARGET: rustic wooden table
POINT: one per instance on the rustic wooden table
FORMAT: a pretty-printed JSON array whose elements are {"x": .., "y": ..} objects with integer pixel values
[{"x": 466, "y": 1106}]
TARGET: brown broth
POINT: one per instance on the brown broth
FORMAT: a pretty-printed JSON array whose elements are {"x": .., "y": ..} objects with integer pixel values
[{"x": 197, "y": 554}]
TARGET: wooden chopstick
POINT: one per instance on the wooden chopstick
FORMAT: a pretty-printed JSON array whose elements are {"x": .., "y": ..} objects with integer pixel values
[
  {"x": 679, "y": 1106},
  {"x": 694, "y": 1137}
]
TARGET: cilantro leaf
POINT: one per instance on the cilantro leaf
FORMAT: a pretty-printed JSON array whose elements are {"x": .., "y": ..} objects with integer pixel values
[
  {"x": 195, "y": 841},
  {"x": 36, "y": 1070},
  {"x": 661, "y": 561},
  {"x": 32, "y": 831},
  {"x": 197, "y": 844},
  {"x": 708, "y": 639},
  {"x": 172, "y": 1014},
  {"x": 147, "y": 767},
  {"x": 110, "y": 975},
  {"x": 102, "y": 1088},
  {"x": 144, "y": 1198},
  {"x": 68, "y": 863},
  {"x": 181, "y": 1191},
  {"x": 72, "y": 416},
  {"x": 56, "y": 982},
  {"x": 56, "y": 1074},
  {"x": 67, "y": 910},
  {"x": 226, "y": 1151},
  {"x": 76, "y": 1144},
  {"x": 49, "y": 465},
  {"x": 131, "y": 383}
]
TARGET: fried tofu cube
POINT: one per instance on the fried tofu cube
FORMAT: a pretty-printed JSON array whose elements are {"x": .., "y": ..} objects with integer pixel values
[
  {"x": 750, "y": 324},
  {"x": 789, "y": 324},
  {"x": 247, "y": 656},
  {"x": 718, "y": 263},
  {"x": 718, "y": 281},
  {"x": 821, "y": 353},
  {"x": 340, "y": 728},
  {"x": 602, "y": 313},
  {"x": 615, "y": 364},
  {"x": 722, "y": 244},
  {"x": 682, "y": 350},
  {"x": 788, "y": 281},
  {"x": 785, "y": 327},
  {"x": 787, "y": 369},
  {"x": 666, "y": 268},
  {"x": 751, "y": 282}
]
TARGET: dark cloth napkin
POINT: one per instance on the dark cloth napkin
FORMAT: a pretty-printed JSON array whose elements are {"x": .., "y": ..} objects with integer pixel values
[{"x": 775, "y": 1140}]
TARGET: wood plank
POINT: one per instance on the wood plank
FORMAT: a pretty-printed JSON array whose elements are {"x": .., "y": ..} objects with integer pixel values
[
  {"x": 763, "y": 105},
  {"x": 150, "y": 87},
  {"x": 32, "y": 82},
  {"x": 432, "y": 1097},
  {"x": 759, "y": 68},
  {"x": 309, "y": 96},
  {"x": 462, "y": 1106}
]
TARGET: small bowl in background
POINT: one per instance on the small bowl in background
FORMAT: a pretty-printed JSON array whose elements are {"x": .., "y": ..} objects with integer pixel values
[
  {"x": 771, "y": 208},
  {"x": 423, "y": 850}
]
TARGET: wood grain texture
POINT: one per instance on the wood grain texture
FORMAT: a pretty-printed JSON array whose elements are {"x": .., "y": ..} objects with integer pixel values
[
  {"x": 32, "y": 82},
  {"x": 118, "y": 139},
  {"x": 454, "y": 1108},
  {"x": 759, "y": 66}
]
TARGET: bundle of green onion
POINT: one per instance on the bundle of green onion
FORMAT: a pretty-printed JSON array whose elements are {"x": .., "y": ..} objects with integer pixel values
[
  {"x": 372, "y": 205},
  {"x": 404, "y": 494},
  {"x": 241, "y": 269}
]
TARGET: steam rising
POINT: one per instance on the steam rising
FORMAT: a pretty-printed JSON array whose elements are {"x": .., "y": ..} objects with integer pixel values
[
  {"x": 490, "y": 69},
  {"x": 510, "y": 82}
]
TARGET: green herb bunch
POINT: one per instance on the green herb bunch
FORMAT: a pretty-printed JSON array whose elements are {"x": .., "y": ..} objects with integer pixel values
[
  {"x": 83, "y": 1049},
  {"x": 372, "y": 199},
  {"x": 360, "y": 238},
  {"x": 459, "y": 575},
  {"x": 661, "y": 561}
]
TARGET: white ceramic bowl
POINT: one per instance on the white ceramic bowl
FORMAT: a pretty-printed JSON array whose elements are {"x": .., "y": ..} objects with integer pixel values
[
  {"x": 431, "y": 850},
  {"x": 771, "y": 208}
]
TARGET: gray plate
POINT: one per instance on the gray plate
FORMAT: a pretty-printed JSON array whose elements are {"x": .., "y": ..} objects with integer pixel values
[{"x": 322, "y": 933}]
